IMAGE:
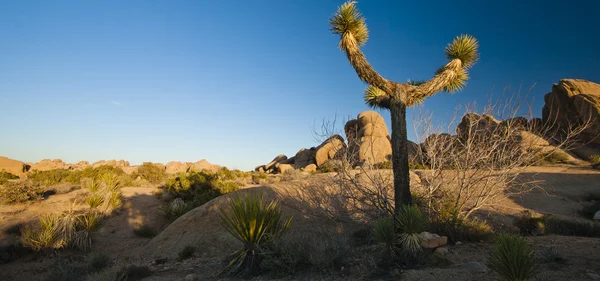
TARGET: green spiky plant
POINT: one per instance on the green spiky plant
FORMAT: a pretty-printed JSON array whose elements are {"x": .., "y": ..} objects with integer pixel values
[
  {"x": 513, "y": 259},
  {"x": 94, "y": 200},
  {"x": 256, "y": 224},
  {"x": 111, "y": 180},
  {"x": 410, "y": 222},
  {"x": 350, "y": 25}
]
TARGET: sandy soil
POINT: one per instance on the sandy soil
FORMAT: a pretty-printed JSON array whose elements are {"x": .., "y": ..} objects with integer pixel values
[{"x": 564, "y": 188}]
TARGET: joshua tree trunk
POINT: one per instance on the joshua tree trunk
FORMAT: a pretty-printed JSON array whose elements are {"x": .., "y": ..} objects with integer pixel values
[{"x": 400, "y": 155}]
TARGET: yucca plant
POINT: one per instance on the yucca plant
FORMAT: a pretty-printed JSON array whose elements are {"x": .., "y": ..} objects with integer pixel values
[
  {"x": 256, "y": 224},
  {"x": 176, "y": 208},
  {"x": 92, "y": 184},
  {"x": 513, "y": 259},
  {"x": 111, "y": 180},
  {"x": 462, "y": 54},
  {"x": 81, "y": 240},
  {"x": 384, "y": 232},
  {"x": 89, "y": 220},
  {"x": 94, "y": 200},
  {"x": 114, "y": 200},
  {"x": 409, "y": 223},
  {"x": 53, "y": 231}
]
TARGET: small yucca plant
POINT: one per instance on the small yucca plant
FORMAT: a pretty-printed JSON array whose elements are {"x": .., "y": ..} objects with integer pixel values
[
  {"x": 114, "y": 200},
  {"x": 92, "y": 184},
  {"x": 90, "y": 220},
  {"x": 384, "y": 232},
  {"x": 111, "y": 180},
  {"x": 94, "y": 200},
  {"x": 410, "y": 222},
  {"x": 254, "y": 223},
  {"x": 513, "y": 259}
]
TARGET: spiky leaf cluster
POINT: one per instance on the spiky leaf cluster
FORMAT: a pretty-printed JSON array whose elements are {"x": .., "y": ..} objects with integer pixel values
[
  {"x": 464, "y": 48},
  {"x": 348, "y": 20},
  {"x": 513, "y": 259},
  {"x": 255, "y": 223},
  {"x": 375, "y": 97}
]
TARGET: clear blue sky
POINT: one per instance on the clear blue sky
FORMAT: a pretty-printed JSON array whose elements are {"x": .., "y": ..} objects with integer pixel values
[{"x": 238, "y": 82}]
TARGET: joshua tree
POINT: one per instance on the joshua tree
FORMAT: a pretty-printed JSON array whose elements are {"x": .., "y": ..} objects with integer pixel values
[{"x": 349, "y": 24}]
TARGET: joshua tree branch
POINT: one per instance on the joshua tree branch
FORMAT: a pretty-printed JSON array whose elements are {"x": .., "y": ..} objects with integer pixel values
[
  {"x": 363, "y": 69},
  {"x": 450, "y": 76}
]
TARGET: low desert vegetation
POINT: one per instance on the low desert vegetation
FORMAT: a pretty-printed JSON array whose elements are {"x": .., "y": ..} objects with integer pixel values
[
  {"x": 553, "y": 157},
  {"x": 145, "y": 231},
  {"x": 153, "y": 173},
  {"x": 186, "y": 253},
  {"x": 6, "y": 176},
  {"x": 513, "y": 259},
  {"x": 19, "y": 192},
  {"x": 256, "y": 224},
  {"x": 594, "y": 159},
  {"x": 531, "y": 225},
  {"x": 193, "y": 189}
]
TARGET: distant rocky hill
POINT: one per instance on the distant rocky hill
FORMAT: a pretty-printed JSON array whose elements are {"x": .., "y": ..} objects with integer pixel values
[
  {"x": 571, "y": 103},
  {"x": 20, "y": 168}
]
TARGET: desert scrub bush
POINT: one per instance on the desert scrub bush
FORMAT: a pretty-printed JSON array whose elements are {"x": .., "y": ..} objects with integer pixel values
[
  {"x": 145, "y": 231},
  {"x": 96, "y": 262},
  {"x": 291, "y": 174},
  {"x": 550, "y": 254},
  {"x": 198, "y": 187},
  {"x": 322, "y": 249},
  {"x": 594, "y": 159},
  {"x": 50, "y": 177},
  {"x": 175, "y": 209},
  {"x": 256, "y": 224},
  {"x": 111, "y": 181},
  {"x": 259, "y": 178},
  {"x": 66, "y": 270},
  {"x": 186, "y": 253},
  {"x": 19, "y": 192},
  {"x": 529, "y": 225},
  {"x": 553, "y": 157},
  {"x": 5, "y": 176},
  {"x": 513, "y": 259},
  {"x": 383, "y": 165},
  {"x": 11, "y": 251},
  {"x": 155, "y": 174}
]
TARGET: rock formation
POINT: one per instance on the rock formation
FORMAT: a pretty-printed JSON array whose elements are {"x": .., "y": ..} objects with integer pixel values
[
  {"x": 12, "y": 166},
  {"x": 374, "y": 146},
  {"x": 304, "y": 157},
  {"x": 113, "y": 163},
  {"x": 47, "y": 164},
  {"x": 573, "y": 102},
  {"x": 332, "y": 148}
]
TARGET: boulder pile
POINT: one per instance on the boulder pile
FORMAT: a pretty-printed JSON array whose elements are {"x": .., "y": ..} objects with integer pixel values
[
  {"x": 367, "y": 142},
  {"x": 571, "y": 103}
]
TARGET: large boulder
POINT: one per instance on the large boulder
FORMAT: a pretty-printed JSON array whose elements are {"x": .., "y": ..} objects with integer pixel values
[
  {"x": 573, "y": 102},
  {"x": 304, "y": 157},
  {"x": 204, "y": 165},
  {"x": 12, "y": 166},
  {"x": 47, "y": 165},
  {"x": 273, "y": 164},
  {"x": 368, "y": 139},
  {"x": 475, "y": 125},
  {"x": 81, "y": 165},
  {"x": 332, "y": 148},
  {"x": 175, "y": 167},
  {"x": 112, "y": 163}
]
